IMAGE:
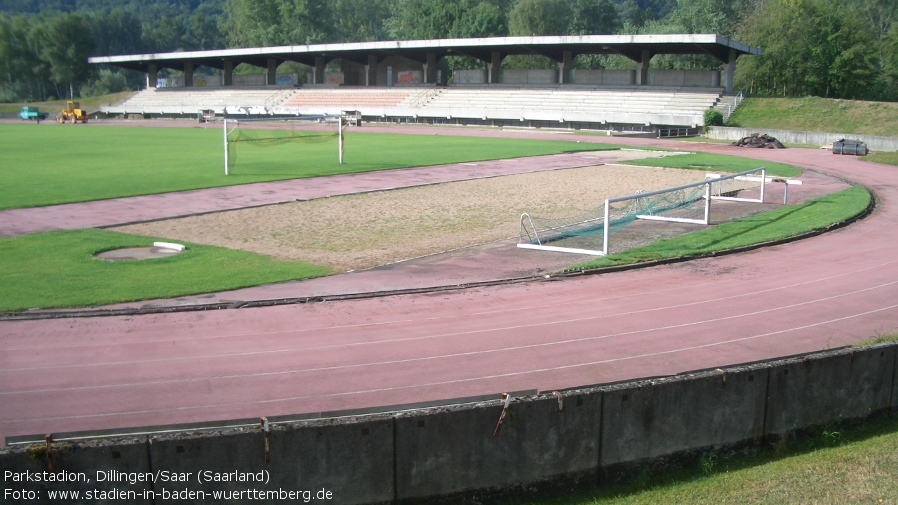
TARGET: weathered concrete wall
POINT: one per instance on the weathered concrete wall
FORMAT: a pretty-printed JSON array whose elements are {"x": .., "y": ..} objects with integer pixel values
[
  {"x": 352, "y": 458},
  {"x": 873, "y": 142},
  {"x": 469, "y": 76},
  {"x": 453, "y": 454},
  {"x": 645, "y": 420},
  {"x": 829, "y": 388},
  {"x": 450, "y": 451},
  {"x": 533, "y": 76},
  {"x": 604, "y": 77},
  {"x": 100, "y": 463},
  {"x": 687, "y": 78}
]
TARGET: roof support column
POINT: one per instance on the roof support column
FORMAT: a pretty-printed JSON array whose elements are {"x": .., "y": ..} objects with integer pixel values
[
  {"x": 564, "y": 68},
  {"x": 318, "y": 70},
  {"x": 152, "y": 75},
  {"x": 729, "y": 70},
  {"x": 642, "y": 68},
  {"x": 430, "y": 68},
  {"x": 227, "y": 73},
  {"x": 493, "y": 67},
  {"x": 371, "y": 71},
  {"x": 272, "y": 75},
  {"x": 188, "y": 75}
]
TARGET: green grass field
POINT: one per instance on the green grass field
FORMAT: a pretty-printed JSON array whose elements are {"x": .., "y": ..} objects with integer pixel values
[
  {"x": 717, "y": 162},
  {"x": 57, "y": 269},
  {"x": 50, "y": 164}
]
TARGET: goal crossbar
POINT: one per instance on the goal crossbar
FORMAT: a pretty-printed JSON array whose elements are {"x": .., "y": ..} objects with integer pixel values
[{"x": 529, "y": 236}]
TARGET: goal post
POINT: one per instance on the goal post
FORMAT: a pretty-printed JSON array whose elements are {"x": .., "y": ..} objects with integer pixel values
[
  {"x": 247, "y": 134},
  {"x": 689, "y": 203}
]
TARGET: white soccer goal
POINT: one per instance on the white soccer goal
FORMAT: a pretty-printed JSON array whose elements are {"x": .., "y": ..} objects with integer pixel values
[
  {"x": 242, "y": 136},
  {"x": 690, "y": 203}
]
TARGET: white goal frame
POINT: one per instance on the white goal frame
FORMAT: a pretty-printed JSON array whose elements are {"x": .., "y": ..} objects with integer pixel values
[
  {"x": 341, "y": 125},
  {"x": 606, "y": 218}
]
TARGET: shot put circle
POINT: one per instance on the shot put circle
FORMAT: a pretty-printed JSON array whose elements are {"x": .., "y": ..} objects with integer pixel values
[{"x": 136, "y": 253}]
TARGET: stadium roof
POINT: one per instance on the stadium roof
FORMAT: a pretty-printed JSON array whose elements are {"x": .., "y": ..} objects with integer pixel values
[{"x": 634, "y": 47}]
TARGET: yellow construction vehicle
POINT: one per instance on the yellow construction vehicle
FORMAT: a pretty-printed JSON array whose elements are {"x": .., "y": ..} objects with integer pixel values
[{"x": 72, "y": 113}]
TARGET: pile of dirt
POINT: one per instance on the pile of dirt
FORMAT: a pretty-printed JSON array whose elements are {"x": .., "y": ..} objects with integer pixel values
[{"x": 759, "y": 140}]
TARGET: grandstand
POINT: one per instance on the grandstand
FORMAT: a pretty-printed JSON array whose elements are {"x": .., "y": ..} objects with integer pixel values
[
  {"x": 411, "y": 81},
  {"x": 174, "y": 102},
  {"x": 564, "y": 106}
]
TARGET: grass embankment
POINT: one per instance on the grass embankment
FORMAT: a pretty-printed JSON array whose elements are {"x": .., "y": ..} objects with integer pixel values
[
  {"x": 50, "y": 164},
  {"x": 839, "y": 466},
  {"x": 817, "y": 115}
]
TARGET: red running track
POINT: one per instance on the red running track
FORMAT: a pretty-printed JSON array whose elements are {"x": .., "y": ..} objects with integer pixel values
[{"x": 113, "y": 372}]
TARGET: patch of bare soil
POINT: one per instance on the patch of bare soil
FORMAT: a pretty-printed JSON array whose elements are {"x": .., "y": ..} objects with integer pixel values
[{"x": 361, "y": 231}]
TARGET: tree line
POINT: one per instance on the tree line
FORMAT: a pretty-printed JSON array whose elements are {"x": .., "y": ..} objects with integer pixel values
[{"x": 829, "y": 48}]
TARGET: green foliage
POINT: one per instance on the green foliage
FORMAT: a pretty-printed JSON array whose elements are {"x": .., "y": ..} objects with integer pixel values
[
  {"x": 482, "y": 20},
  {"x": 539, "y": 17},
  {"x": 811, "y": 47},
  {"x": 713, "y": 117},
  {"x": 429, "y": 19},
  {"x": 58, "y": 269},
  {"x": 107, "y": 82},
  {"x": 44, "y": 53}
]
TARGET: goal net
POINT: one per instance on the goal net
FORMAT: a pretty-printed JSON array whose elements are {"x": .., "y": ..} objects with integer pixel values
[
  {"x": 589, "y": 233},
  {"x": 272, "y": 141}
]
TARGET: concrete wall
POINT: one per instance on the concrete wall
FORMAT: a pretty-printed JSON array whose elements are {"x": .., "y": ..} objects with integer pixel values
[
  {"x": 601, "y": 77},
  {"x": 685, "y": 78},
  {"x": 454, "y": 454},
  {"x": 533, "y": 76},
  {"x": 646, "y": 420},
  {"x": 873, "y": 142},
  {"x": 469, "y": 76}
]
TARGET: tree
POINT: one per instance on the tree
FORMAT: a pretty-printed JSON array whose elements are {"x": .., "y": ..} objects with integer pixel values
[
  {"x": 481, "y": 20},
  {"x": 15, "y": 58},
  {"x": 811, "y": 47},
  {"x": 306, "y": 22},
  {"x": 539, "y": 17},
  {"x": 361, "y": 20},
  {"x": 65, "y": 43},
  {"x": 249, "y": 23},
  {"x": 106, "y": 82},
  {"x": 422, "y": 19},
  {"x": 593, "y": 17},
  {"x": 890, "y": 64},
  {"x": 202, "y": 31},
  {"x": 116, "y": 32}
]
